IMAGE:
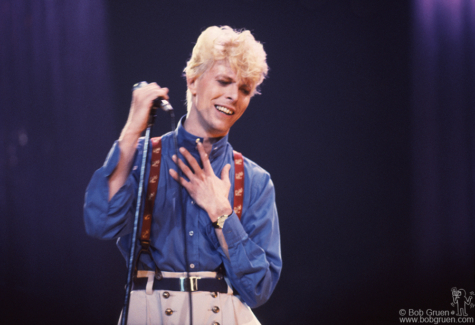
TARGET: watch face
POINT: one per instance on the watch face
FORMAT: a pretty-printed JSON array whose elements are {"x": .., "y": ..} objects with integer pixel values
[{"x": 221, "y": 221}]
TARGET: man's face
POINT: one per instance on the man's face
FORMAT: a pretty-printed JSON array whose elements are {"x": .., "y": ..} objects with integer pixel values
[{"x": 219, "y": 100}]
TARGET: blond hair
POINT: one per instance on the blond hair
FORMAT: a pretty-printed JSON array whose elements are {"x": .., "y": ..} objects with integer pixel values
[{"x": 245, "y": 55}]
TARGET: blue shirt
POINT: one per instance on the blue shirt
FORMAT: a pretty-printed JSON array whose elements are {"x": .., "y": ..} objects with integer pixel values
[{"x": 254, "y": 263}]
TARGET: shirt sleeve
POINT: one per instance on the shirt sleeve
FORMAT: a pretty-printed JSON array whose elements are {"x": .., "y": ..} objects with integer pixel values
[
  {"x": 106, "y": 219},
  {"x": 254, "y": 245}
]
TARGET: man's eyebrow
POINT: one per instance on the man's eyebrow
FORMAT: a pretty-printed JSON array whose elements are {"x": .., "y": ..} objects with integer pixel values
[{"x": 224, "y": 76}]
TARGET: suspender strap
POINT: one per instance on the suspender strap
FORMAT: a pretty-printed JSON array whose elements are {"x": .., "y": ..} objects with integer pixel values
[
  {"x": 150, "y": 201},
  {"x": 151, "y": 190},
  {"x": 238, "y": 183}
]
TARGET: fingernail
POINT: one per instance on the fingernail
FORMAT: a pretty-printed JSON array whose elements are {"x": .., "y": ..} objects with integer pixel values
[
  {"x": 182, "y": 149},
  {"x": 174, "y": 157}
]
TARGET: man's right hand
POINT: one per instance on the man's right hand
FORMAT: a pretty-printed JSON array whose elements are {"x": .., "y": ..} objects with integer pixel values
[{"x": 142, "y": 101}]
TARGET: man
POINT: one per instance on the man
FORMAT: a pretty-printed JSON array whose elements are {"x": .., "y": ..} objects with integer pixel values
[{"x": 194, "y": 228}]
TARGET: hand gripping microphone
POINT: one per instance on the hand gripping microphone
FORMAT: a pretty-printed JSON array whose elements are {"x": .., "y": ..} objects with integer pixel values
[{"x": 158, "y": 102}]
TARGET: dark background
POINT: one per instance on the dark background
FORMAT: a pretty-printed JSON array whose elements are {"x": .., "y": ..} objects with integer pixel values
[{"x": 366, "y": 124}]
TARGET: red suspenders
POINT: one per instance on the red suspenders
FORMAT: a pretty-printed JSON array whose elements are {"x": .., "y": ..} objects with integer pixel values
[
  {"x": 151, "y": 190},
  {"x": 153, "y": 184},
  {"x": 238, "y": 183}
]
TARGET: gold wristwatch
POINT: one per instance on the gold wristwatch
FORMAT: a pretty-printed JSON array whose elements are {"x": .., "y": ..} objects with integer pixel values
[{"x": 218, "y": 224}]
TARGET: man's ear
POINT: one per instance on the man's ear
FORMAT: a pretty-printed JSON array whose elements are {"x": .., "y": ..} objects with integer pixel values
[{"x": 192, "y": 83}]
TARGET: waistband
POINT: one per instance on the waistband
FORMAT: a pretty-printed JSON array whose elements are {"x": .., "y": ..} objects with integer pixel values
[{"x": 178, "y": 281}]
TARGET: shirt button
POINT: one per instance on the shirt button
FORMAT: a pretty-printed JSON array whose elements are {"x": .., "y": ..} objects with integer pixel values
[
  {"x": 215, "y": 323},
  {"x": 215, "y": 309},
  {"x": 192, "y": 202},
  {"x": 191, "y": 233},
  {"x": 168, "y": 312},
  {"x": 192, "y": 266}
]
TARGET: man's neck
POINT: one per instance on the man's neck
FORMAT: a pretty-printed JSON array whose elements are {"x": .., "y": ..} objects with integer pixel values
[
  {"x": 208, "y": 140},
  {"x": 208, "y": 144}
]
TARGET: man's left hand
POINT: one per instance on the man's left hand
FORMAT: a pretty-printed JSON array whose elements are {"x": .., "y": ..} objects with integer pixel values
[{"x": 204, "y": 187}]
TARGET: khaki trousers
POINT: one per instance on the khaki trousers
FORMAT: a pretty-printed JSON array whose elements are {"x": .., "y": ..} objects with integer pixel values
[{"x": 157, "y": 307}]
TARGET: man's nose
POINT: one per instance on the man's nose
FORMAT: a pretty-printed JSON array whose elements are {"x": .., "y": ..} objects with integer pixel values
[{"x": 232, "y": 92}]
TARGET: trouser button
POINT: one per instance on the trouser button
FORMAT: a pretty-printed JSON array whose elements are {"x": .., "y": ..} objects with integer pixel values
[
  {"x": 168, "y": 312},
  {"x": 166, "y": 294},
  {"x": 215, "y": 309}
]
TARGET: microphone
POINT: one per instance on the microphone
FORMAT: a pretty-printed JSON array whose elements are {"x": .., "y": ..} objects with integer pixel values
[{"x": 158, "y": 102}]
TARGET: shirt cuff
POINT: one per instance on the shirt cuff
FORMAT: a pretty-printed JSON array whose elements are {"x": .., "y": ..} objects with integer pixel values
[
  {"x": 233, "y": 231},
  {"x": 112, "y": 159}
]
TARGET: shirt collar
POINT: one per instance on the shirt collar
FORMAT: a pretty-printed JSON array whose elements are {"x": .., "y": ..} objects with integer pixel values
[{"x": 189, "y": 141}]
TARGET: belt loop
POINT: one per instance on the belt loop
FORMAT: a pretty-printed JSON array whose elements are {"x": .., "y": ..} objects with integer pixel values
[{"x": 149, "y": 287}]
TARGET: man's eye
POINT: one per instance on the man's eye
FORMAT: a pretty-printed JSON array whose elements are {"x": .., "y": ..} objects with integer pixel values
[
  {"x": 245, "y": 91},
  {"x": 224, "y": 82}
]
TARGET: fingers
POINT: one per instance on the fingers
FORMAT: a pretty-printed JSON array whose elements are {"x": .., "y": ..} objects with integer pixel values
[
  {"x": 160, "y": 92},
  {"x": 173, "y": 174},
  {"x": 225, "y": 173},
  {"x": 184, "y": 168},
  {"x": 204, "y": 158},
  {"x": 142, "y": 101},
  {"x": 180, "y": 180},
  {"x": 150, "y": 92},
  {"x": 143, "y": 97},
  {"x": 191, "y": 160}
]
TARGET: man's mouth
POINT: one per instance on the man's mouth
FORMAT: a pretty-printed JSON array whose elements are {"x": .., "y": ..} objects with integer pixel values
[{"x": 224, "y": 110}]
